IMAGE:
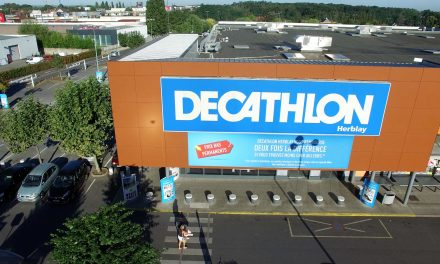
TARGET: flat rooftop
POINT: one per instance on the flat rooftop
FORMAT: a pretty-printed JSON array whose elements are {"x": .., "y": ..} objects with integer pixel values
[
  {"x": 395, "y": 47},
  {"x": 5, "y": 37}
]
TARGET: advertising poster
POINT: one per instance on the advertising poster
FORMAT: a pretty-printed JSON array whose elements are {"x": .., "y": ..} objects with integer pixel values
[
  {"x": 129, "y": 186},
  {"x": 369, "y": 192},
  {"x": 99, "y": 76},
  {"x": 4, "y": 101},
  {"x": 275, "y": 106},
  {"x": 168, "y": 189},
  {"x": 269, "y": 151}
]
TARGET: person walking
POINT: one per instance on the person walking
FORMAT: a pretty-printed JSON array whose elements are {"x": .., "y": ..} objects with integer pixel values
[{"x": 183, "y": 235}]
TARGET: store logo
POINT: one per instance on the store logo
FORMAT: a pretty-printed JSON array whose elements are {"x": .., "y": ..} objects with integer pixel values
[
  {"x": 208, "y": 106},
  {"x": 273, "y": 106}
]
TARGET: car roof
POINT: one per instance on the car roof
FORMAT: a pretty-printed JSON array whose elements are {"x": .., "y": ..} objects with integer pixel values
[
  {"x": 16, "y": 167},
  {"x": 71, "y": 166},
  {"x": 40, "y": 169}
]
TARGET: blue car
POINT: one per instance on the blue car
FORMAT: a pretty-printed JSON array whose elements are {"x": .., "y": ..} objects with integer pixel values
[{"x": 37, "y": 183}]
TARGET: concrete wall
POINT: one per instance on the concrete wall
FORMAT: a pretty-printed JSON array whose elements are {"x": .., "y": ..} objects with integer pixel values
[
  {"x": 410, "y": 125},
  {"x": 65, "y": 51},
  {"x": 27, "y": 46}
]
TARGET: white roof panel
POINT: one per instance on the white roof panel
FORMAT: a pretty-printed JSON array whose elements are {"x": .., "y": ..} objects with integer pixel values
[{"x": 172, "y": 46}]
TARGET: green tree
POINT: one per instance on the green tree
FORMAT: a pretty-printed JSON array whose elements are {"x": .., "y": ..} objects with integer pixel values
[
  {"x": 123, "y": 42},
  {"x": 58, "y": 62},
  {"x": 156, "y": 17},
  {"x": 102, "y": 5},
  {"x": 107, "y": 7},
  {"x": 96, "y": 5},
  {"x": 113, "y": 6},
  {"x": 103, "y": 237},
  {"x": 81, "y": 118},
  {"x": 3, "y": 86},
  {"x": 25, "y": 125}
]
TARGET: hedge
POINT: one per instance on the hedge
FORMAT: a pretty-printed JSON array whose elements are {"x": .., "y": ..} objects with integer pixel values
[{"x": 7, "y": 76}]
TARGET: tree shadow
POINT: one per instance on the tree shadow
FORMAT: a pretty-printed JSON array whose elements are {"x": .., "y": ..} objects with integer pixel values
[{"x": 30, "y": 235}]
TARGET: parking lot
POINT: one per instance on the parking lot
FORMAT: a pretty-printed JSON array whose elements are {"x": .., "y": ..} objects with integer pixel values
[{"x": 25, "y": 228}]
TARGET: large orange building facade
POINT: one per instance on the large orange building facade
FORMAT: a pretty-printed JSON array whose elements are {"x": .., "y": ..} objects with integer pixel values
[{"x": 410, "y": 125}]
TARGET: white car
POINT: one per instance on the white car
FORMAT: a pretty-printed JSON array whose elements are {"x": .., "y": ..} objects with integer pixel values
[{"x": 34, "y": 60}]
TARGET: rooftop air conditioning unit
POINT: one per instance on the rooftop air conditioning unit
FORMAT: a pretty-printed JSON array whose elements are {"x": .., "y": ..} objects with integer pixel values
[{"x": 313, "y": 43}]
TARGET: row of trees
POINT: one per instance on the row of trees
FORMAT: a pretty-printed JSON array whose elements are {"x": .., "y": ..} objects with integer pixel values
[
  {"x": 161, "y": 22},
  {"x": 105, "y": 5},
  {"x": 54, "y": 39},
  {"x": 80, "y": 119},
  {"x": 132, "y": 39},
  {"x": 305, "y": 12}
]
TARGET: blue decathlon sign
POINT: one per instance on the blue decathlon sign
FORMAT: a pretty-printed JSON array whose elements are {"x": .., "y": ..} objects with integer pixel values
[
  {"x": 273, "y": 106},
  {"x": 369, "y": 192},
  {"x": 168, "y": 189},
  {"x": 269, "y": 150}
]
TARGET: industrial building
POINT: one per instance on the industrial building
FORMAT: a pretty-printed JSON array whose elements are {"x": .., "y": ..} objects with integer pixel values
[
  {"x": 106, "y": 36},
  {"x": 16, "y": 47},
  {"x": 280, "y": 99}
]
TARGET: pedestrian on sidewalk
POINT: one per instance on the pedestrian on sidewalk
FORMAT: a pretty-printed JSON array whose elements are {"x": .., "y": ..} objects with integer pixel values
[{"x": 183, "y": 235}]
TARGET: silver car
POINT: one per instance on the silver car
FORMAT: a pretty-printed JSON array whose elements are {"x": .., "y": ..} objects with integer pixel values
[{"x": 37, "y": 182}]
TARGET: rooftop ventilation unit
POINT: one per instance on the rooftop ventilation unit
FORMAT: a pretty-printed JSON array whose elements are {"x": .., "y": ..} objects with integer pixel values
[
  {"x": 337, "y": 57},
  {"x": 241, "y": 46},
  {"x": 365, "y": 30},
  {"x": 432, "y": 51},
  {"x": 283, "y": 48},
  {"x": 313, "y": 43},
  {"x": 212, "y": 46},
  {"x": 294, "y": 56}
]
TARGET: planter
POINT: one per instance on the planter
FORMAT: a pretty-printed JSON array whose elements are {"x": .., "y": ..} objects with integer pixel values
[{"x": 95, "y": 173}]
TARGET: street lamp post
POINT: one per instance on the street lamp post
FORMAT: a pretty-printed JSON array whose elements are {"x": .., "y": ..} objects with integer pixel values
[{"x": 96, "y": 51}]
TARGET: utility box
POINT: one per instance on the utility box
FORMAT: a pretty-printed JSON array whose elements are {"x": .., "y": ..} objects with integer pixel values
[{"x": 388, "y": 197}]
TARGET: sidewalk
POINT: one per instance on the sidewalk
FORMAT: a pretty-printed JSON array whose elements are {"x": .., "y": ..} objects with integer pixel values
[{"x": 424, "y": 203}]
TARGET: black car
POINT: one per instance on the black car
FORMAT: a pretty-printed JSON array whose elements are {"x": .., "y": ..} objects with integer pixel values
[
  {"x": 69, "y": 182},
  {"x": 11, "y": 178}
]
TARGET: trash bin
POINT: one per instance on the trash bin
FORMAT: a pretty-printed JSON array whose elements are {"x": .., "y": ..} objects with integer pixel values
[{"x": 388, "y": 197}]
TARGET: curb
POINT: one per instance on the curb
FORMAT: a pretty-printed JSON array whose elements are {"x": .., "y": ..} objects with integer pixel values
[{"x": 321, "y": 214}]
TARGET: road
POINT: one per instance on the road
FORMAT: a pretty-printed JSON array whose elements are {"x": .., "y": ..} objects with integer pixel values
[{"x": 315, "y": 240}]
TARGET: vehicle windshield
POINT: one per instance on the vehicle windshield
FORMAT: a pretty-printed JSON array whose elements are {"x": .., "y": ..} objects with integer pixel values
[
  {"x": 63, "y": 181},
  {"x": 5, "y": 180},
  {"x": 32, "y": 180}
]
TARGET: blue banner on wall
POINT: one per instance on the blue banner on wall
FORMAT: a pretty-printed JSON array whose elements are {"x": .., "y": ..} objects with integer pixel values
[
  {"x": 273, "y": 106},
  {"x": 4, "y": 101},
  {"x": 369, "y": 192},
  {"x": 269, "y": 151},
  {"x": 168, "y": 189}
]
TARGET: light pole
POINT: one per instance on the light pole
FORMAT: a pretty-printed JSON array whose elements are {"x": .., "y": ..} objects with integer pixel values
[
  {"x": 299, "y": 142},
  {"x": 151, "y": 19},
  {"x": 96, "y": 51},
  {"x": 207, "y": 12}
]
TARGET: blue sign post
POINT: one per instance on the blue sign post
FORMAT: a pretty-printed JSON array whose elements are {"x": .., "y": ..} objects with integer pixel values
[
  {"x": 268, "y": 151},
  {"x": 168, "y": 189},
  {"x": 369, "y": 192},
  {"x": 273, "y": 106},
  {"x": 99, "y": 76},
  {"x": 4, "y": 101}
]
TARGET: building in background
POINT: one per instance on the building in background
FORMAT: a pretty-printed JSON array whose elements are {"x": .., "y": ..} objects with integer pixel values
[
  {"x": 16, "y": 47},
  {"x": 106, "y": 36}
]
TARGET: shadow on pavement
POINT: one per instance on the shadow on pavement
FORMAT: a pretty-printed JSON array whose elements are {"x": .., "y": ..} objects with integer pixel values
[
  {"x": 313, "y": 196},
  {"x": 32, "y": 233}
]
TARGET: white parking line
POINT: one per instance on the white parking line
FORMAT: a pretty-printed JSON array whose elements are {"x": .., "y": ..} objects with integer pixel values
[
  {"x": 108, "y": 161},
  {"x": 41, "y": 151},
  {"x": 7, "y": 157},
  {"x": 62, "y": 155},
  {"x": 90, "y": 186}
]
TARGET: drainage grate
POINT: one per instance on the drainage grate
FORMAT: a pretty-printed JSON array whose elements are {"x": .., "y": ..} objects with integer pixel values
[{"x": 413, "y": 198}]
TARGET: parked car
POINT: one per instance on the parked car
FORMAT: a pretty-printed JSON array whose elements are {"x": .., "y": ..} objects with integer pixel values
[
  {"x": 69, "y": 182},
  {"x": 115, "y": 159},
  {"x": 114, "y": 53},
  {"x": 34, "y": 60},
  {"x": 37, "y": 183},
  {"x": 11, "y": 178}
]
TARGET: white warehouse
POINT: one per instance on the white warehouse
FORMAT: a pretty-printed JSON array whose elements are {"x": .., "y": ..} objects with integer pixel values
[{"x": 16, "y": 47}]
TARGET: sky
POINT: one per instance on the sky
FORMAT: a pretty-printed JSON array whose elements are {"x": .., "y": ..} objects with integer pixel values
[{"x": 416, "y": 4}]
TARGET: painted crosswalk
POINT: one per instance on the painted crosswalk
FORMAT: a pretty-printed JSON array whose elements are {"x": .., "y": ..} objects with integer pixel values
[{"x": 199, "y": 246}]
